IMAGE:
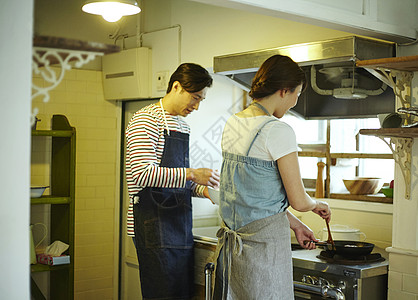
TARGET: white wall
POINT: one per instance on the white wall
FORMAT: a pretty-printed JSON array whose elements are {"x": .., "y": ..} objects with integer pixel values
[
  {"x": 208, "y": 31},
  {"x": 15, "y": 80}
]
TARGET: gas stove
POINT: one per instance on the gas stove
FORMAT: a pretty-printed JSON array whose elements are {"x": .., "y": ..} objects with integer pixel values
[{"x": 316, "y": 275}]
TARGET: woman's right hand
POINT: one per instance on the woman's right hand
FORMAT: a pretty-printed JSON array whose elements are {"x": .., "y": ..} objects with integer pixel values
[{"x": 322, "y": 209}]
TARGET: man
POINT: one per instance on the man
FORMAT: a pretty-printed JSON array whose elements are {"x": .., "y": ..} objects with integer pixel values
[{"x": 161, "y": 183}]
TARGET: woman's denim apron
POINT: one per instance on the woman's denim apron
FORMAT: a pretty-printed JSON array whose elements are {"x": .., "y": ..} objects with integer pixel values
[
  {"x": 163, "y": 230},
  {"x": 254, "y": 255}
]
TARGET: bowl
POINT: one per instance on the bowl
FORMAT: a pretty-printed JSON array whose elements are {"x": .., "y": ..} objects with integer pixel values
[
  {"x": 214, "y": 195},
  {"x": 387, "y": 191},
  {"x": 363, "y": 185},
  {"x": 37, "y": 191},
  {"x": 344, "y": 233}
]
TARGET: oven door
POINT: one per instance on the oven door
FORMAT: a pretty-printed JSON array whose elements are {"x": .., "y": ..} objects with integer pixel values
[
  {"x": 306, "y": 295},
  {"x": 317, "y": 291}
]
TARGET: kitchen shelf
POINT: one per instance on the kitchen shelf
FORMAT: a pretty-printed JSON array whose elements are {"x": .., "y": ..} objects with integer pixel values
[
  {"x": 369, "y": 198},
  {"x": 312, "y": 154},
  {"x": 46, "y": 268},
  {"x": 397, "y": 72},
  {"x": 381, "y": 198},
  {"x": 400, "y": 139},
  {"x": 62, "y": 209},
  {"x": 392, "y": 132},
  {"x": 400, "y": 143},
  {"x": 50, "y": 200},
  {"x": 346, "y": 155},
  {"x": 71, "y": 44},
  {"x": 53, "y": 133},
  {"x": 402, "y": 63}
]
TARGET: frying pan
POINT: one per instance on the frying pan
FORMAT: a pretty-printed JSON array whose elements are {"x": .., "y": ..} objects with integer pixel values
[{"x": 347, "y": 248}]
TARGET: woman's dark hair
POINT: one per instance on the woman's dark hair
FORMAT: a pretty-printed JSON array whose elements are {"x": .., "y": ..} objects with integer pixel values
[
  {"x": 277, "y": 73},
  {"x": 192, "y": 77}
]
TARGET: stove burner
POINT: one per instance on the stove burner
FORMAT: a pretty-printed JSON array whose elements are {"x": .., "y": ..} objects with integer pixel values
[{"x": 344, "y": 260}]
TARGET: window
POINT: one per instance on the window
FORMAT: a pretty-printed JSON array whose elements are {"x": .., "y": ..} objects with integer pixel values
[{"x": 344, "y": 138}]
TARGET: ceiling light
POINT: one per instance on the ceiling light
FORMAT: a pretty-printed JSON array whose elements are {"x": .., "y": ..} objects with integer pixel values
[{"x": 111, "y": 11}]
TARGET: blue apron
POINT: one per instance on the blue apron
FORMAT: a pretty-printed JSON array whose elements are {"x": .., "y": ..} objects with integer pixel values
[
  {"x": 163, "y": 230},
  {"x": 255, "y": 228}
]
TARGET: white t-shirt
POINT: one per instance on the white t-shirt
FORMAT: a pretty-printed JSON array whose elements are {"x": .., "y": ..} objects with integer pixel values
[{"x": 276, "y": 140}]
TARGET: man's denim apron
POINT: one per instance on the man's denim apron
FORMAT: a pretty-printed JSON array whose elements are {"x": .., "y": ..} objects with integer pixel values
[
  {"x": 163, "y": 230},
  {"x": 253, "y": 208}
]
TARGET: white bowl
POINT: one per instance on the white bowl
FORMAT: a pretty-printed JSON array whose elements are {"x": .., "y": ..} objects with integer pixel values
[
  {"x": 343, "y": 233},
  {"x": 214, "y": 195},
  {"x": 37, "y": 191}
]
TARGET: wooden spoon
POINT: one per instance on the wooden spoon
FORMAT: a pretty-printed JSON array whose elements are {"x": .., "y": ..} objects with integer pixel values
[{"x": 330, "y": 240}]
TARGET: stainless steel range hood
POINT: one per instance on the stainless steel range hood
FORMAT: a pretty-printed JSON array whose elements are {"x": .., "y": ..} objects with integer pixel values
[{"x": 337, "y": 89}]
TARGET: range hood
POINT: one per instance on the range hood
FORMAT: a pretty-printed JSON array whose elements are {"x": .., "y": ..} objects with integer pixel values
[{"x": 336, "y": 87}]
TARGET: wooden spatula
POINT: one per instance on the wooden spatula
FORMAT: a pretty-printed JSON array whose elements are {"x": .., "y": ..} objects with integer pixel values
[{"x": 330, "y": 240}]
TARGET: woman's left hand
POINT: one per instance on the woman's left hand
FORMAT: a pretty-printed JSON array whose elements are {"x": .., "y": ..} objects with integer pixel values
[{"x": 303, "y": 233}]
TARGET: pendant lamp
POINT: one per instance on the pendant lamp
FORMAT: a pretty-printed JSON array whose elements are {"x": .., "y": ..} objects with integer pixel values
[{"x": 111, "y": 11}]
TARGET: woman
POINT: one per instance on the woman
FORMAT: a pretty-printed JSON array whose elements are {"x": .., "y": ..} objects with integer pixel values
[{"x": 260, "y": 178}]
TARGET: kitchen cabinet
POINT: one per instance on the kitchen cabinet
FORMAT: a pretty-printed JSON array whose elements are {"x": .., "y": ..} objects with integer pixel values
[
  {"x": 382, "y": 19},
  {"x": 62, "y": 204}
]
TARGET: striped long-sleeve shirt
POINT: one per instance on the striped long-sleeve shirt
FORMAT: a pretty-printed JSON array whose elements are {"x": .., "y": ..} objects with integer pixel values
[{"x": 144, "y": 149}]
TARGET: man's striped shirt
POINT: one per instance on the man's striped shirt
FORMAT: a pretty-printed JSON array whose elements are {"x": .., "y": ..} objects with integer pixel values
[{"x": 144, "y": 149}]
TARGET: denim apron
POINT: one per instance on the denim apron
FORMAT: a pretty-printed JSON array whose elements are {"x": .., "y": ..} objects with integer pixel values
[
  {"x": 254, "y": 259},
  {"x": 163, "y": 230}
]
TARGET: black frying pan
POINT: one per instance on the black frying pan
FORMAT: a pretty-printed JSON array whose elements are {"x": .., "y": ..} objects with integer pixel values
[{"x": 347, "y": 248}]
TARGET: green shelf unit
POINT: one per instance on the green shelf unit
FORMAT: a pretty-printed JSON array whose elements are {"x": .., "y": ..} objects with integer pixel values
[
  {"x": 62, "y": 211},
  {"x": 46, "y": 268},
  {"x": 50, "y": 200},
  {"x": 53, "y": 133}
]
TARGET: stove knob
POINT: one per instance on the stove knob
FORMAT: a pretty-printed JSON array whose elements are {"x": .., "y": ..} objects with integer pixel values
[
  {"x": 310, "y": 279},
  {"x": 323, "y": 281},
  {"x": 342, "y": 285},
  {"x": 334, "y": 293}
]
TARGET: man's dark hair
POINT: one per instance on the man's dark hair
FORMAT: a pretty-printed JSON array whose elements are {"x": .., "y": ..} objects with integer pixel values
[{"x": 192, "y": 77}]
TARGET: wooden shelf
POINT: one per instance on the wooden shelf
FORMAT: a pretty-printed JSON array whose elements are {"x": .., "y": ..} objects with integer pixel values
[
  {"x": 346, "y": 155},
  {"x": 403, "y": 63},
  {"x": 50, "y": 200},
  {"x": 312, "y": 154},
  {"x": 369, "y": 198},
  {"x": 392, "y": 132},
  {"x": 71, "y": 44},
  {"x": 46, "y": 268},
  {"x": 64, "y": 48},
  {"x": 53, "y": 133},
  {"x": 362, "y": 155},
  {"x": 62, "y": 211},
  {"x": 381, "y": 198}
]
